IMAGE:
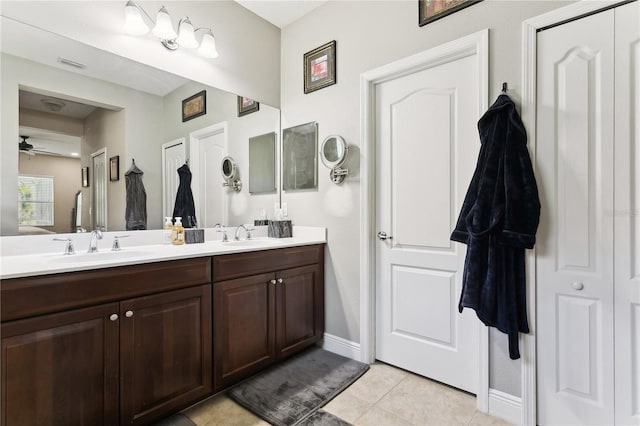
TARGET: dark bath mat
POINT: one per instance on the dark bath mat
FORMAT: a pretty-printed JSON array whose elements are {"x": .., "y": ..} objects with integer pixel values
[
  {"x": 176, "y": 420},
  {"x": 290, "y": 392},
  {"x": 322, "y": 418}
]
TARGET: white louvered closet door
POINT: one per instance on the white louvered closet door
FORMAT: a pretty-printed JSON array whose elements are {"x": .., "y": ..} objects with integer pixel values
[{"x": 588, "y": 263}]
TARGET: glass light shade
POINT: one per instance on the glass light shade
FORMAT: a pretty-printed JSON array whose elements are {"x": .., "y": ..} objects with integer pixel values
[
  {"x": 164, "y": 28},
  {"x": 186, "y": 34},
  {"x": 133, "y": 22},
  {"x": 208, "y": 46}
]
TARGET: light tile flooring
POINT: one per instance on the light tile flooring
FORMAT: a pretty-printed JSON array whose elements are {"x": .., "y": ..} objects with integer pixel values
[{"x": 383, "y": 396}]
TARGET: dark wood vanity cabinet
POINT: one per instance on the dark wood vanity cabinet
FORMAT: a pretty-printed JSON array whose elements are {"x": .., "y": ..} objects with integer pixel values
[
  {"x": 140, "y": 356},
  {"x": 267, "y": 305}
]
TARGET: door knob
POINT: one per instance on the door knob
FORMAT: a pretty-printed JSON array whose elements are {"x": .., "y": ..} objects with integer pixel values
[
  {"x": 577, "y": 286},
  {"x": 113, "y": 317},
  {"x": 382, "y": 236},
  {"x": 128, "y": 314}
]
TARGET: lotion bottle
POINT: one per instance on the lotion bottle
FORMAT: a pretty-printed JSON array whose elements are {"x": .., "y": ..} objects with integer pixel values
[
  {"x": 177, "y": 236},
  {"x": 167, "y": 230}
]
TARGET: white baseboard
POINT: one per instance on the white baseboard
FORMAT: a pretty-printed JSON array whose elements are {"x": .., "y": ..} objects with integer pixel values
[
  {"x": 341, "y": 346},
  {"x": 505, "y": 406}
]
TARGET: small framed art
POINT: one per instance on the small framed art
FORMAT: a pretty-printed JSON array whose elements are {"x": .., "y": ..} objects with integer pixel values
[
  {"x": 114, "y": 168},
  {"x": 194, "y": 106},
  {"x": 85, "y": 177},
  {"x": 320, "y": 67},
  {"x": 432, "y": 10},
  {"x": 247, "y": 106}
]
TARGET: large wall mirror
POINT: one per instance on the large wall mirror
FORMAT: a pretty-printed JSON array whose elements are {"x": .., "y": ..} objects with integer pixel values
[{"x": 67, "y": 101}]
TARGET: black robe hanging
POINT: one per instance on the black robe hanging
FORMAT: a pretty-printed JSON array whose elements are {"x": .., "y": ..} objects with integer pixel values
[
  {"x": 498, "y": 221},
  {"x": 184, "y": 206}
]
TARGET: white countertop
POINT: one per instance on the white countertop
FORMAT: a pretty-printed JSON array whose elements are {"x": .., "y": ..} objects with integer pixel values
[{"x": 23, "y": 256}]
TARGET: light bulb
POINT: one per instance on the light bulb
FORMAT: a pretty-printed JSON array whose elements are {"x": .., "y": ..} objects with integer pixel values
[
  {"x": 133, "y": 22},
  {"x": 208, "y": 46},
  {"x": 164, "y": 28},
  {"x": 186, "y": 34}
]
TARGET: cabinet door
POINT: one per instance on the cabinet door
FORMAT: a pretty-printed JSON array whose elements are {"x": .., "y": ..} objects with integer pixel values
[
  {"x": 243, "y": 327},
  {"x": 61, "y": 368},
  {"x": 165, "y": 353},
  {"x": 299, "y": 309}
]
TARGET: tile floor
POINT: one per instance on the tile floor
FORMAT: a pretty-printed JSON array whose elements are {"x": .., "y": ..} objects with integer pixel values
[{"x": 383, "y": 396}]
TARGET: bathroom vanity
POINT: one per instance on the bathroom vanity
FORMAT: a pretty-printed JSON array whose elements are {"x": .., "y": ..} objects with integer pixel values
[{"x": 131, "y": 344}]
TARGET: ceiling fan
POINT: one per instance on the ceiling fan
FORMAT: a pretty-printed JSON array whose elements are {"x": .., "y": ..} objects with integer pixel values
[{"x": 29, "y": 149}]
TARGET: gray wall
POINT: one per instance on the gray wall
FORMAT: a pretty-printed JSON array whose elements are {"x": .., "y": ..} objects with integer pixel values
[
  {"x": 249, "y": 47},
  {"x": 142, "y": 134},
  {"x": 370, "y": 34},
  {"x": 222, "y": 106}
]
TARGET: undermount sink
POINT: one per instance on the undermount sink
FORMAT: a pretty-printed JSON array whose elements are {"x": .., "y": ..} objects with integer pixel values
[
  {"x": 95, "y": 257},
  {"x": 251, "y": 243}
]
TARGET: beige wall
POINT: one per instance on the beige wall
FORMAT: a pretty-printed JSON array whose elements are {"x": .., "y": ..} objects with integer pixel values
[
  {"x": 53, "y": 122},
  {"x": 105, "y": 129},
  {"x": 66, "y": 182},
  {"x": 370, "y": 34}
]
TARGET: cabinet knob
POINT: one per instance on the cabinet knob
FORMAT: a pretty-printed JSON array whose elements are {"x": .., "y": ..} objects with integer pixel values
[
  {"x": 280, "y": 280},
  {"x": 577, "y": 285},
  {"x": 128, "y": 314},
  {"x": 113, "y": 317},
  {"x": 272, "y": 282}
]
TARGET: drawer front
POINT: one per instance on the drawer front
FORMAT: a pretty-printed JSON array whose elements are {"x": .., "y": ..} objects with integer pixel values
[
  {"x": 239, "y": 265},
  {"x": 30, "y": 296}
]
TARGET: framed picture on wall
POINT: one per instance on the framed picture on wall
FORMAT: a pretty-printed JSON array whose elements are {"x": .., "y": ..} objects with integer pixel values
[
  {"x": 320, "y": 67},
  {"x": 247, "y": 106},
  {"x": 432, "y": 10},
  {"x": 194, "y": 106},
  {"x": 85, "y": 177},
  {"x": 114, "y": 168}
]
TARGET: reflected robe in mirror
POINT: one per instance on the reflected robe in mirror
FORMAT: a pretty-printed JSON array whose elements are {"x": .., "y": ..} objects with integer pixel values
[
  {"x": 185, "y": 207},
  {"x": 136, "y": 209}
]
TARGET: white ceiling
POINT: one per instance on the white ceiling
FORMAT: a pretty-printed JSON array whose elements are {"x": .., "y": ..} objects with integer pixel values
[{"x": 283, "y": 12}]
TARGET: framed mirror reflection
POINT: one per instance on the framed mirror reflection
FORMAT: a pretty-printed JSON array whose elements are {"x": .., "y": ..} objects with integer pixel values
[{"x": 300, "y": 157}]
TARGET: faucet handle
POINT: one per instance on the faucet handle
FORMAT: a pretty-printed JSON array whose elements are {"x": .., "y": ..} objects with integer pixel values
[
  {"x": 224, "y": 233},
  {"x": 249, "y": 228},
  {"x": 116, "y": 242},
  {"x": 68, "y": 248}
]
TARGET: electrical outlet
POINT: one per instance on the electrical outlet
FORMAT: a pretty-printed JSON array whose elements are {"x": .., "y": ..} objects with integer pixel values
[{"x": 285, "y": 211}]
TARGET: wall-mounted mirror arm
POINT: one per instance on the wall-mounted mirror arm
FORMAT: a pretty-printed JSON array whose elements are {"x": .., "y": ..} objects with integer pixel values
[
  {"x": 229, "y": 170},
  {"x": 333, "y": 153}
]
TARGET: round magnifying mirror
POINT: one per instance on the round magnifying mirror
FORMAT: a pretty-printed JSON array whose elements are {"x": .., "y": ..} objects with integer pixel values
[
  {"x": 333, "y": 151},
  {"x": 228, "y": 168}
]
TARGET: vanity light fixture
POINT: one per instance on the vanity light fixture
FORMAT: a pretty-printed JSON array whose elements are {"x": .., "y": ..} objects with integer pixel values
[{"x": 163, "y": 29}]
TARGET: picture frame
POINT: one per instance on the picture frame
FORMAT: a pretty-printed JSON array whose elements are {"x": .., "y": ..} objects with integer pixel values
[
  {"x": 432, "y": 10},
  {"x": 247, "y": 106},
  {"x": 85, "y": 177},
  {"x": 319, "y": 67},
  {"x": 194, "y": 106},
  {"x": 114, "y": 168}
]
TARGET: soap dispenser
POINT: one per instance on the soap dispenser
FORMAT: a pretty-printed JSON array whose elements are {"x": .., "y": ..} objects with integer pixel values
[
  {"x": 167, "y": 230},
  {"x": 177, "y": 236}
]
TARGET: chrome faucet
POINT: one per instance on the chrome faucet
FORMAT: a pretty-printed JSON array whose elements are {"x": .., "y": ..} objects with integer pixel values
[
  {"x": 96, "y": 235},
  {"x": 247, "y": 230}
]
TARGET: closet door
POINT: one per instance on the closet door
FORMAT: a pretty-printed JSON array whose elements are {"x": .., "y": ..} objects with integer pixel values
[
  {"x": 627, "y": 215},
  {"x": 575, "y": 241}
]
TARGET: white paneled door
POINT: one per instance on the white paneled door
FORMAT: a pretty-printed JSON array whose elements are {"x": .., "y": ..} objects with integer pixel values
[
  {"x": 587, "y": 262},
  {"x": 426, "y": 148},
  {"x": 208, "y": 148}
]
